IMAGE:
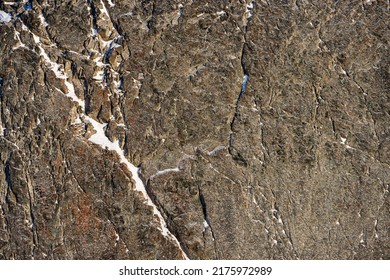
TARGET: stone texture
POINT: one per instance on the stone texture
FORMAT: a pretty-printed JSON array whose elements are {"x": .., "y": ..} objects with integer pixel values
[{"x": 291, "y": 162}]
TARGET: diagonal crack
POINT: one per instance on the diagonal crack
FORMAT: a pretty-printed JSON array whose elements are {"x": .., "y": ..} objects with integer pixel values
[
  {"x": 102, "y": 140},
  {"x": 204, "y": 209}
]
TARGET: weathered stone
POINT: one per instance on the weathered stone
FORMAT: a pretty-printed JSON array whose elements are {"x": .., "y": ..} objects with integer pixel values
[{"x": 260, "y": 130}]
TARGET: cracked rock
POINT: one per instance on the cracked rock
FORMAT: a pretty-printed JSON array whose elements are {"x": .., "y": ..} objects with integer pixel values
[{"x": 184, "y": 129}]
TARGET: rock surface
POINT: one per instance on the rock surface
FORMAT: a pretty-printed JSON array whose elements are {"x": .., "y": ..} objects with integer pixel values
[{"x": 194, "y": 129}]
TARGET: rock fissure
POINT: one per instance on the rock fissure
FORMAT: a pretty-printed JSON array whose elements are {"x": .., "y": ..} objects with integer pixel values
[
  {"x": 236, "y": 155},
  {"x": 295, "y": 90},
  {"x": 204, "y": 210}
]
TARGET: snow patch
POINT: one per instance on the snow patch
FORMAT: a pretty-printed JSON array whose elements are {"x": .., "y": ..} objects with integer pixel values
[
  {"x": 180, "y": 12},
  {"x": 94, "y": 32},
  {"x": 216, "y": 150},
  {"x": 5, "y": 17},
  {"x": 344, "y": 142},
  {"x": 361, "y": 237},
  {"x": 249, "y": 8},
  {"x": 165, "y": 171},
  {"x": 206, "y": 225},
  {"x": 43, "y": 20},
  {"x": 99, "y": 76},
  {"x": 110, "y": 3}
]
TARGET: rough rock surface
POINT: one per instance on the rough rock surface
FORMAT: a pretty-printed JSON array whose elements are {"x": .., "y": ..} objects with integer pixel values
[{"x": 194, "y": 129}]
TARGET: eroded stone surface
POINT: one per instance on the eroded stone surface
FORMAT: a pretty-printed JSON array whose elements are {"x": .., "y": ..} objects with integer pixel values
[{"x": 259, "y": 127}]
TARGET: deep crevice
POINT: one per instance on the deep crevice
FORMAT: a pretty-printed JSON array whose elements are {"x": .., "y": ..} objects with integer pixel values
[
  {"x": 204, "y": 209},
  {"x": 93, "y": 14},
  {"x": 7, "y": 175}
]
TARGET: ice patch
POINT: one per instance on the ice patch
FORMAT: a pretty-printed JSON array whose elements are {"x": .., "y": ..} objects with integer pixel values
[
  {"x": 244, "y": 82},
  {"x": 5, "y": 17}
]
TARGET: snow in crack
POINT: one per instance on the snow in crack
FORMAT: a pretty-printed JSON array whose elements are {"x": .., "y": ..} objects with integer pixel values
[
  {"x": 243, "y": 86},
  {"x": 120, "y": 84},
  {"x": 236, "y": 113},
  {"x": 180, "y": 13},
  {"x": 92, "y": 11},
  {"x": 249, "y": 8},
  {"x": 115, "y": 43}
]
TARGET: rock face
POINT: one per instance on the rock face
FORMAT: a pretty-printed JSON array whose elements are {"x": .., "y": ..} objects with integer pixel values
[{"x": 194, "y": 129}]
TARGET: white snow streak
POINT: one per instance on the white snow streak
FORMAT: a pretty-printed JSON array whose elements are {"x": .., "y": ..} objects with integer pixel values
[
  {"x": 43, "y": 20},
  {"x": 100, "y": 138},
  {"x": 165, "y": 171},
  {"x": 55, "y": 67},
  {"x": 104, "y": 10}
]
